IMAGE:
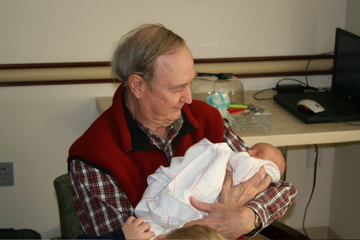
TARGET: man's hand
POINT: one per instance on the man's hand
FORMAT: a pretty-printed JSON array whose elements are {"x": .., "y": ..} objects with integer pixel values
[
  {"x": 241, "y": 194},
  {"x": 136, "y": 228},
  {"x": 231, "y": 222},
  {"x": 229, "y": 216}
]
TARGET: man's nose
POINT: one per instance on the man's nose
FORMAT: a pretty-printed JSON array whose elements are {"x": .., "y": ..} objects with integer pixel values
[{"x": 187, "y": 96}]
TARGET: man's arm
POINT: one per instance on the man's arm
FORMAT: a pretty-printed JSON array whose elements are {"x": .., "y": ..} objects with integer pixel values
[
  {"x": 229, "y": 216},
  {"x": 231, "y": 222},
  {"x": 269, "y": 204},
  {"x": 100, "y": 203},
  {"x": 232, "y": 219}
]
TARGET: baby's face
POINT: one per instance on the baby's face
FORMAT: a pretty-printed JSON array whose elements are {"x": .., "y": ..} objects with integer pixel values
[
  {"x": 267, "y": 151},
  {"x": 263, "y": 151}
]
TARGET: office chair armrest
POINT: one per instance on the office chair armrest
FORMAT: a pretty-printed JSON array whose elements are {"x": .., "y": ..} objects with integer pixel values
[{"x": 278, "y": 230}]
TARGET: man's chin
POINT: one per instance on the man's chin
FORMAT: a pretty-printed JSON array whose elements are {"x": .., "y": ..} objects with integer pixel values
[
  {"x": 174, "y": 116},
  {"x": 177, "y": 114}
]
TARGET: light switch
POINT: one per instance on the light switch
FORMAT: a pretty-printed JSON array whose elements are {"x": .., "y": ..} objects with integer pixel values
[{"x": 6, "y": 174}]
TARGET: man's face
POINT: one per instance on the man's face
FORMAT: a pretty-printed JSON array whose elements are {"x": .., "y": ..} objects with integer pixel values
[{"x": 170, "y": 91}]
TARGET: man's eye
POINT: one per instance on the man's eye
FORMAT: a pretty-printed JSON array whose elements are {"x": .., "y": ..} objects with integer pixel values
[{"x": 178, "y": 89}]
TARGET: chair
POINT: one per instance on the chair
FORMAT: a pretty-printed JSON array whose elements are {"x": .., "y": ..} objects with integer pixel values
[
  {"x": 279, "y": 230},
  {"x": 70, "y": 226},
  {"x": 69, "y": 223}
]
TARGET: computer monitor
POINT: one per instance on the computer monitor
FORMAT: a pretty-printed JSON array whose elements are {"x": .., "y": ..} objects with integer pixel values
[{"x": 346, "y": 68}]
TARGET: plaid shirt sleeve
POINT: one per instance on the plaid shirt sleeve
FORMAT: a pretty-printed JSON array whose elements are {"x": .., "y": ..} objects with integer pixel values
[
  {"x": 100, "y": 203},
  {"x": 271, "y": 203}
]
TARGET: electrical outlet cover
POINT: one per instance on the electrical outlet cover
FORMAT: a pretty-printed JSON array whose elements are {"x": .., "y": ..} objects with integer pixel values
[
  {"x": 6, "y": 174},
  {"x": 311, "y": 155}
]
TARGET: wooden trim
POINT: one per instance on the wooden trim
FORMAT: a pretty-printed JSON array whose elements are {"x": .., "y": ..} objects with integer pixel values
[
  {"x": 283, "y": 74},
  {"x": 264, "y": 59},
  {"x": 54, "y": 65},
  {"x": 198, "y": 60},
  {"x": 28, "y": 74},
  {"x": 54, "y": 82}
]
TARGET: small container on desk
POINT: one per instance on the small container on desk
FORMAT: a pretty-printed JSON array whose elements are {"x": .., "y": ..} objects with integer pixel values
[
  {"x": 218, "y": 92},
  {"x": 250, "y": 121}
]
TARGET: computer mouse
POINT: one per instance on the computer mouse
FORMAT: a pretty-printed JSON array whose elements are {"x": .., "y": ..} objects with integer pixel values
[{"x": 309, "y": 105}]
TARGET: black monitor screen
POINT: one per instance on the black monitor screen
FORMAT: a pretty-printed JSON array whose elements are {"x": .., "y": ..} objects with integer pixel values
[{"x": 346, "y": 69}]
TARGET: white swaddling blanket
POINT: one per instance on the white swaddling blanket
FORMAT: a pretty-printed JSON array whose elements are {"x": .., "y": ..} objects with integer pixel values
[{"x": 200, "y": 173}]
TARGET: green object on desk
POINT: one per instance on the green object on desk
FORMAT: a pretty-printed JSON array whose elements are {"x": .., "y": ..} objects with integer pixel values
[{"x": 237, "y": 106}]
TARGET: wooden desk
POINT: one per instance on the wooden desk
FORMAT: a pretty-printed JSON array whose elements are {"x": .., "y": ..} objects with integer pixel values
[{"x": 285, "y": 129}]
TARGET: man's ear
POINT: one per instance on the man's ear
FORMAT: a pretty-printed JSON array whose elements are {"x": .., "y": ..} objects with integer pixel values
[{"x": 136, "y": 85}]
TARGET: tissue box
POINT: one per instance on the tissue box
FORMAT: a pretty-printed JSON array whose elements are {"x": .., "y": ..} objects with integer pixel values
[{"x": 250, "y": 121}]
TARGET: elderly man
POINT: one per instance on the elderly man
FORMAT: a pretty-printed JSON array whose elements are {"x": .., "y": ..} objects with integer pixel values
[{"x": 152, "y": 119}]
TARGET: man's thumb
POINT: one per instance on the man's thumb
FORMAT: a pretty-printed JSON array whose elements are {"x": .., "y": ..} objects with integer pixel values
[{"x": 202, "y": 206}]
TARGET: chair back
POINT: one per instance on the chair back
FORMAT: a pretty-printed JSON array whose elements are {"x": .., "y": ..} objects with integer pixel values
[{"x": 69, "y": 223}]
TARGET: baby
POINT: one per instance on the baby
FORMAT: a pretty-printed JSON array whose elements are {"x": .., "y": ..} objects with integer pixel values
[{"x": 200, "y": 173}]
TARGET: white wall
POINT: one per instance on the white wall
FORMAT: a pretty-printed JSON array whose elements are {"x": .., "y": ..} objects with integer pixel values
[
  {"x": 39, "y": 123},
  {"x": 66, "y": 31},
  {"x": 353, "y": 17},
  {"x": 302, "y": 176},
  {"x": 345, "y": 196}
]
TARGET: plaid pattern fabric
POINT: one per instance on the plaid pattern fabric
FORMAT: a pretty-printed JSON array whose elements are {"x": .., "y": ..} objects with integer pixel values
[
  {"x": 234, "y": 141},
  {"x": 103, "y": 207},
  {"x": 160, "y": 143},
  {"x": 100, "y": 203}
]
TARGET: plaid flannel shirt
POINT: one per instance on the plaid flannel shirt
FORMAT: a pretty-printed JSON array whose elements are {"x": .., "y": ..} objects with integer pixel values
[{"x": 102, "y": 206}]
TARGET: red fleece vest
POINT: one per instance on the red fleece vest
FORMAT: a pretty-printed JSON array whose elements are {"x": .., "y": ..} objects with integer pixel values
[{"x": 115, "y": 145}]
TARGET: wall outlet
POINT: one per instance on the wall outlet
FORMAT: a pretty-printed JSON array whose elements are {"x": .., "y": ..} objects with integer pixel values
[
  {"x": 311, "y": 155},
  {"x": 6, "y": 174}
]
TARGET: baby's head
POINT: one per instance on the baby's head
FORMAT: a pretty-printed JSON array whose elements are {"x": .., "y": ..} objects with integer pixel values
[
  {"x": 194, "y": 232},
  {"x": 269, "y": 152}
]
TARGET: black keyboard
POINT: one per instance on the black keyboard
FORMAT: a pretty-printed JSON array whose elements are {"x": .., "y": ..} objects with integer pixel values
[{"x": 333, "y": 104}]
